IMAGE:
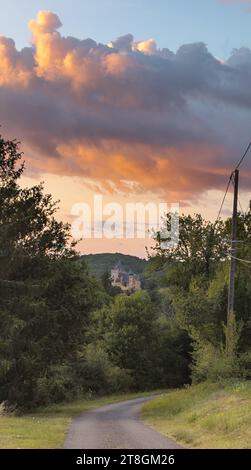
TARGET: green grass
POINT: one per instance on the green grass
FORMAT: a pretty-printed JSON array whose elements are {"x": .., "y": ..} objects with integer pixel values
[
  {"x": 204, "y": 416},
  {"x": 200, "y": 416},
  {"x": 46, "y": 428}
]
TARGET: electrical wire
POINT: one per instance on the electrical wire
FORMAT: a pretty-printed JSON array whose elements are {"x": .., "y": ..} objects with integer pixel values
[
  {"x": 229, "y": 181},
  {"x": 247, "y": 261},
  {"x": 239, "y": 202},
  {"x": 243, "y": 157},
  {"x": 224, "y": 198},
  {"x": 242, "y": 260}
]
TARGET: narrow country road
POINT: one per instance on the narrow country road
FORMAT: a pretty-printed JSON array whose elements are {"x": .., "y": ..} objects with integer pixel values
[{"x": 115, "y": 427}]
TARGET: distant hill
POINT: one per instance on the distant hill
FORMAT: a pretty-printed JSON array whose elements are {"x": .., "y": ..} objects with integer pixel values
[{"x": 100, "y": 263}]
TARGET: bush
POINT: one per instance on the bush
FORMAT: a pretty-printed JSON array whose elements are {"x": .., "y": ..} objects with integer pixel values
[
  {"x": 96, "y": 374},
  {"x": 245, "y": 364},
  {"x": 213, "y": 363},
  {"x": 58, "y": 385}
]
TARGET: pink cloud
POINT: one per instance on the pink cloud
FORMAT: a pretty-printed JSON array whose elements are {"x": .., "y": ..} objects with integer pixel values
[{"x": 169, "y": 122}]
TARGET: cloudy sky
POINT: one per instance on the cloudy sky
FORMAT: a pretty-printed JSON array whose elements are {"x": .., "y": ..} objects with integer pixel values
[{"x": 137, "y": 100}]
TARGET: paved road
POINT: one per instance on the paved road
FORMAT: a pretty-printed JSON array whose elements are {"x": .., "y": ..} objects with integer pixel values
[{"x": 115, "y": 427}]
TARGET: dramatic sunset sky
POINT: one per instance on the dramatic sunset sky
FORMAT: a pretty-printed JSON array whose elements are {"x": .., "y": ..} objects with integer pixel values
[{"x": 139, "y": 100}]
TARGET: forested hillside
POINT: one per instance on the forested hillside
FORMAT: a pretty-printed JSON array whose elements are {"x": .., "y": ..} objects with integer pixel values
[{"x": 100, "y": 263}]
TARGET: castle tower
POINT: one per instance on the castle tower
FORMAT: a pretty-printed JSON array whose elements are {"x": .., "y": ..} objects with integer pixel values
[
  {"x": 131, "y": 280},
  {"x": 116, "y": 271}
]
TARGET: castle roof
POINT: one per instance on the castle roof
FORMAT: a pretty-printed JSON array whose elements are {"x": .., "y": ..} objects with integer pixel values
[
  {"x": 118, "y": 265},
  {"x": 123, "y": 274}
]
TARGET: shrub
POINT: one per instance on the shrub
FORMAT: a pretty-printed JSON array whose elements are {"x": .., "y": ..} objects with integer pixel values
[
  {"x": 56, "y": 386},
  {"x": 213, "y": 363},
  {"x": 97, "y": 374},
  {"x": 245, "y": 364}
]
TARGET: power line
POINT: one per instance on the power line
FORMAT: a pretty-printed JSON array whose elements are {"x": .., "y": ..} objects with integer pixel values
[
  {"x": 224, "y": 198},
  {"x": 244, "y": 155},
  {"x": 239, "y": 202},
  {"x": 248, "y": 261},
  {"x": 239, "y": 259},
  {"x": 229, "y": 181},
  {"x": 231, "y": 287},
  {"x": 233, "y": 257}
]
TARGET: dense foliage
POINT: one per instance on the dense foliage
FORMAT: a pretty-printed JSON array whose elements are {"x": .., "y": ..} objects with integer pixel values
[
  {"x": 137, "y": 339},
  {"x": 194, "y": 276},
  {"x": 46, "y": 295}
]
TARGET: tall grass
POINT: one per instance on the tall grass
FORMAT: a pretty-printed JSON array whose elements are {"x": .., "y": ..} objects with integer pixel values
[{"x": 205, "y": 415}]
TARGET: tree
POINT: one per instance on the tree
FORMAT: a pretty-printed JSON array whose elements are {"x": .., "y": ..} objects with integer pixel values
[
  {"x": 201, "y": 246},
  {"x": 142, "y": 343},
  {"x": 46, "y": 294},
  {"x": 107, "y": 285},
  {"x": 196, "y": 277}
]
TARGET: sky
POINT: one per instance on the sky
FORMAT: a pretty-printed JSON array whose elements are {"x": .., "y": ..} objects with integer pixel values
[
  {"x": 134, "y": 99},
  {"x": 170, "y": 22}
]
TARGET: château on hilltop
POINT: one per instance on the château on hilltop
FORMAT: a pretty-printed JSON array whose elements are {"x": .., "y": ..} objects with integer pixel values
[{"x": 127, "y": 281}]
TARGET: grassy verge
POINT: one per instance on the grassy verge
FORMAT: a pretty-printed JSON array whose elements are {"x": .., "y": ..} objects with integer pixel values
[
  {"x": 47, "y": 428},
  {"x": 204, "y": 415}
]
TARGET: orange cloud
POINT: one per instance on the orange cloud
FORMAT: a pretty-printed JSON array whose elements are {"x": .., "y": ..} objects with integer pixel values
[
  {"x": 116, "y": 64},
  {"x": 161, "y": 172},
  {"x": 148, "y": 47},
  {"x": 126, "y": 114},
  {"x": 47, "y": 41},
  {"x": 14, "y": 67}
]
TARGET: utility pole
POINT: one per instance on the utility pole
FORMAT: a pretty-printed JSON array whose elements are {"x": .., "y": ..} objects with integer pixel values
[{"x": 233, "y": 248}]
